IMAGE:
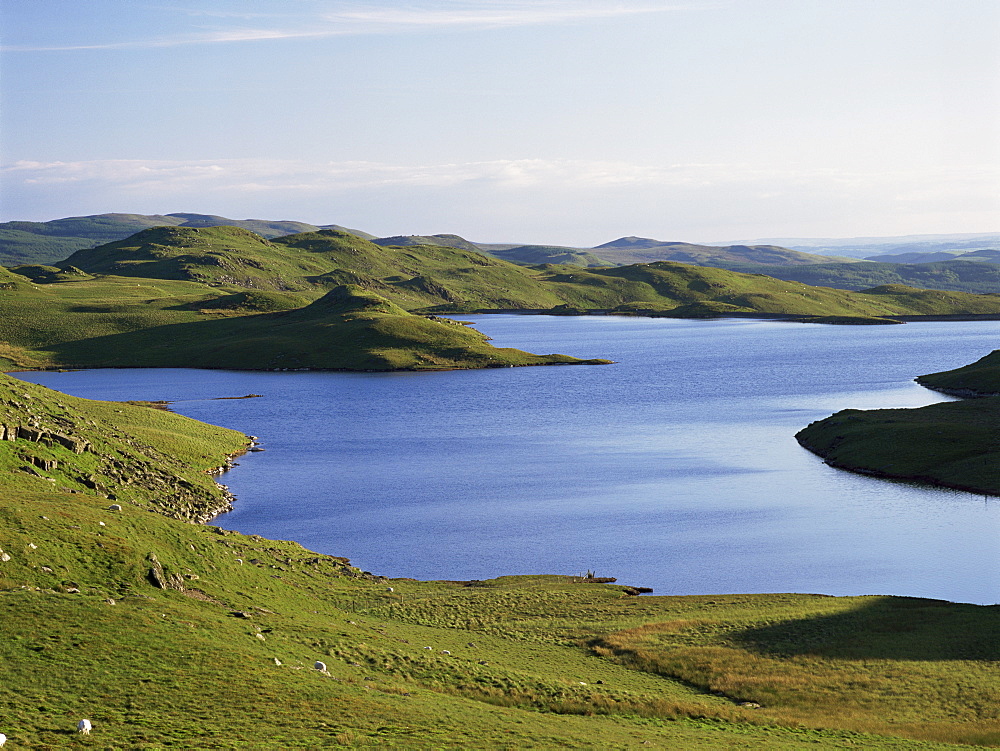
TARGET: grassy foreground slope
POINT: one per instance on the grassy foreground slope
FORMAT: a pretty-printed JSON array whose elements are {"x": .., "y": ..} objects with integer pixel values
[{"x": 168, "y": 634}]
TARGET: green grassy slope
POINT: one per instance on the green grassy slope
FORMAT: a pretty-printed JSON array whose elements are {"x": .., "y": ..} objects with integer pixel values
[
  {"x": 348, "y": 328},
  {"x": 139, "y": 322},
  {"x": 167, "y": 634},
  {"x": 724, "y": 257},
  {"x": 138, "y": 456},
  {"x": 957, "y": 276},
  {"x": 981, "y": 378},
  {"x": 685, "y": 285},
  {"x": 427, "y": 276},
  {"x": 954, "y": 444},
  {"x": 226, "y": 297},
  {"x": 535, "y": 255},
  {"x": 446, "y": 240},
  {"x": 49, "y": 242}
]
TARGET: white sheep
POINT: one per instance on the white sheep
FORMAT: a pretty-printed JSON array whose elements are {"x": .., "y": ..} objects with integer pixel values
[
  {"x": 320, "y": 666},
  {"x": 114, "y": 507},
  {"x": 83, "y": 726},
  {"x": 3, "y": 739}
]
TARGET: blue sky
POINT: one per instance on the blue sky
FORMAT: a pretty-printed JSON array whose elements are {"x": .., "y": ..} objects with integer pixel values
[{"x": 559, "y": 121}]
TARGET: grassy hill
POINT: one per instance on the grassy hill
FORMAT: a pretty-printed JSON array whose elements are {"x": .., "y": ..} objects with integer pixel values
[
  {"x": 49, "y": 242},
  {"x": 629, "y": 250},
  {"x": 116, "y": 322},
  {"x": 424, "y": 276},
  {"x": 868, "y": 247},
  {"x": 981, "y": 378},
  {"x": 169, "y": 634},
  {"x": 960, "y": 275},
  {"x": 954, "y": 444},
  {"x": 226, "y": 297},
  {"x": 535, "y": 255}
]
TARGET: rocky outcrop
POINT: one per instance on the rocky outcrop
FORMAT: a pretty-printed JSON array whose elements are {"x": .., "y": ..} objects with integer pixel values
[
  {"x": 161, "y": 577},
  {"x": 46, "y": 437}
]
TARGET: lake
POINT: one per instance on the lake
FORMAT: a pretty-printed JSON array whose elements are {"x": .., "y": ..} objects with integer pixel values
[{"x": 675, "y": 468}]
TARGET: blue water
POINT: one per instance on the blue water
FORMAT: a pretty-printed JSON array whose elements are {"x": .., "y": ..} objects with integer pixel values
[{"x": 675, "y": 468}]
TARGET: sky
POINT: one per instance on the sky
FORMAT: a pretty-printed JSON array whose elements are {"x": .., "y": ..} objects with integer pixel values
[{"x": 568, "y": 122}]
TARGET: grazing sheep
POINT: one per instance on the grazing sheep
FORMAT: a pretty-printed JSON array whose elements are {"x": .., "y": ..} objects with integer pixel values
[
  {"x": 445, "y": 652},
  {"x": 83, "y": 726},
  {"x": 389, "y": 589},
  {"x": 320, "y": 666},
  {"x": 114, "y": 507},
  {"x": 3, "y": 739}
]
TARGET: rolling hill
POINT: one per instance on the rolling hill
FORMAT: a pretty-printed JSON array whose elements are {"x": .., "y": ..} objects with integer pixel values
[
  {"x": 226, "y": 297},
  {"x": 866, "y": 247},
  {"x": 951, "y": 444},
  {"x": 49, "y": 242},
  {"x": 628, "y": 250},
  {"x": 978, "y": 379},
  {"x": 979, "y": 274}
]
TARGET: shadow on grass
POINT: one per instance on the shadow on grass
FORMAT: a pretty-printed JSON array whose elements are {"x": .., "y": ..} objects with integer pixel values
[{"x": 892, "y": 628}]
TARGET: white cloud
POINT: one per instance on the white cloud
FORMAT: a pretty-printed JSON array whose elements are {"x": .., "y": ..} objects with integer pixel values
[
  {"x": 260, "y": 175},
  {"x": 536, "y": 200},
  {"x": 494, "y": 14},
  {"x": 332, "y": 19}
]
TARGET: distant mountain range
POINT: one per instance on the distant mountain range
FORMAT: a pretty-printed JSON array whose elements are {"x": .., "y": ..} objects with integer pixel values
[
  {"x": 871, "y": 248},
  {"x": 927, "y": 261},
  {"x": 49, "y": 242}
]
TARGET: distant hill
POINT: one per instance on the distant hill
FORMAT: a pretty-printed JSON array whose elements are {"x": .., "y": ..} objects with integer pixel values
[
  {"x": 944, "y": 255},
  {"x": 225, "y": 297},
  {"x": 446, "y": 241},
  {"x": 986, "y": 255},
  {"x": 621, "y": 252},
  {"x": 866, "y": 247},
  {"x": 628, "y": 250},
  {"x": 49, "y": 242},
  {"x": 980, "y": 277},
  {"x": 536, "y": 255},
  {"x": 631, "y": 243}
]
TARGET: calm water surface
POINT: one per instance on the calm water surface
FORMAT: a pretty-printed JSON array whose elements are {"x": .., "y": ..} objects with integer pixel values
[{"x": 675, "y": 468}]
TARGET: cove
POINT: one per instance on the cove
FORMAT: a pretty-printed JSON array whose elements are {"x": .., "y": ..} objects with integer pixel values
[{"x": 676, "y": 468}]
